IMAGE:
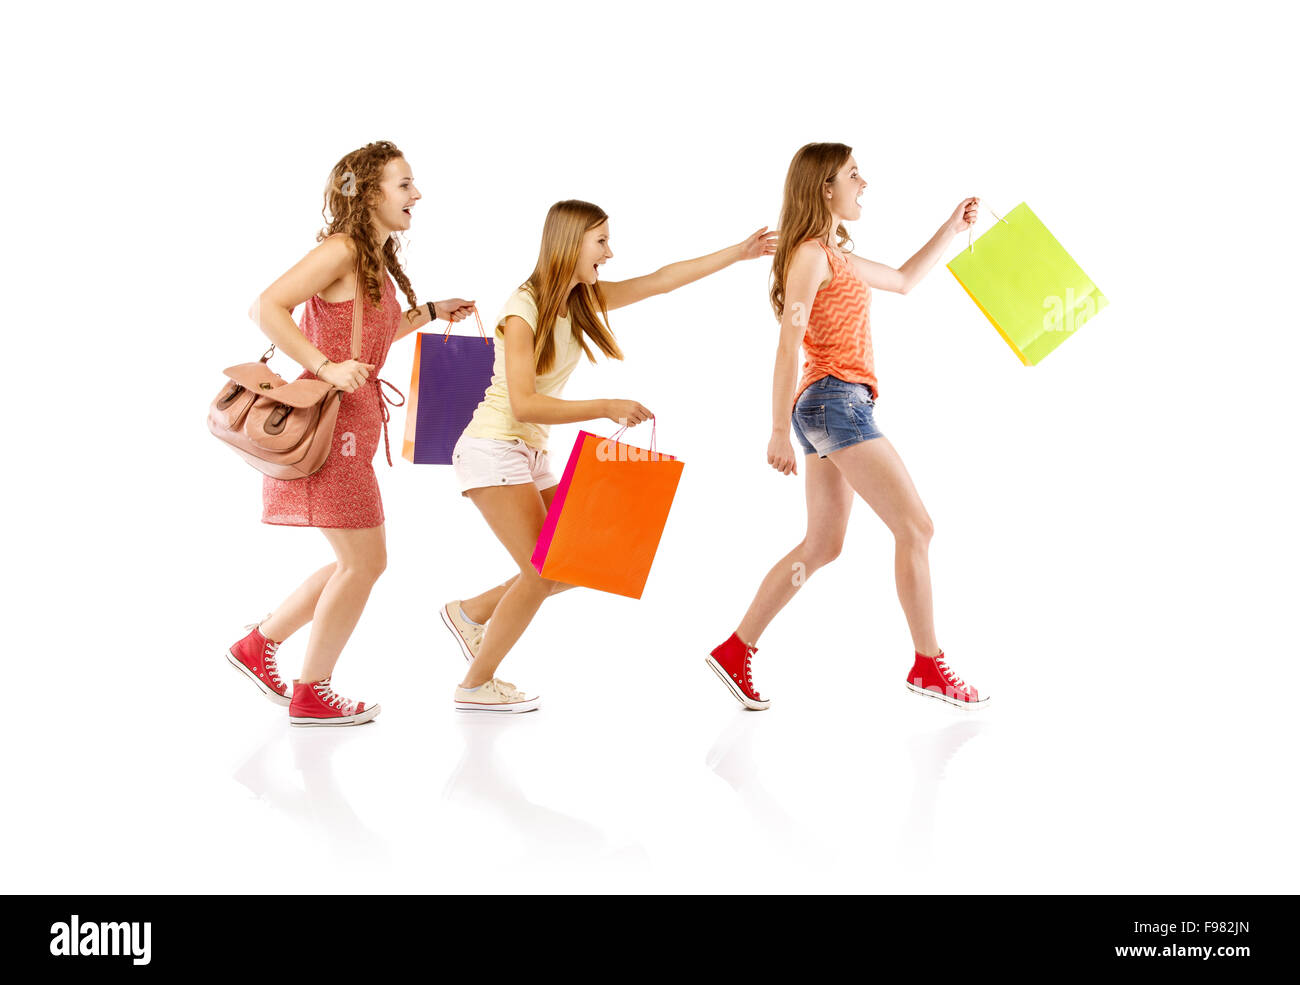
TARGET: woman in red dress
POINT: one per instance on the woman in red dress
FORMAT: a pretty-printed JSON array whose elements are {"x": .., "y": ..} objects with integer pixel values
[{"x": 369, "y": 196}]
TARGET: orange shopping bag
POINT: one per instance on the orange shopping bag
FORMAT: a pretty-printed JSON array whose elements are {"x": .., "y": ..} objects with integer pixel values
[{"x": 608, "y": 514}]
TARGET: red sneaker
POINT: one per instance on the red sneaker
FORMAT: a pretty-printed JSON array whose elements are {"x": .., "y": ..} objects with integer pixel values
[
  {"x": 730, "y": 661},
  {"x": 254, "y": 657},
  {"x": 315, "y": 703},
  {"x": 930, "y": 676}
]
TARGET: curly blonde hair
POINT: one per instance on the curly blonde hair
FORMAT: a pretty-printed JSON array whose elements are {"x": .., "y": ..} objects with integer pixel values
[{"x": 350, "y": 194}]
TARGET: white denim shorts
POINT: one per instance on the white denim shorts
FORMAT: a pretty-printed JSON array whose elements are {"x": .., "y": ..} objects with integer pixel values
[{"x": 482, "y": 462}]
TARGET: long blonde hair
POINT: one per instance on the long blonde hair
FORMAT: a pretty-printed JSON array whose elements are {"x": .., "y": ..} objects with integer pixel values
[
  {"x": 804, "y": 213},
  {"x": 562, "y": 233}
]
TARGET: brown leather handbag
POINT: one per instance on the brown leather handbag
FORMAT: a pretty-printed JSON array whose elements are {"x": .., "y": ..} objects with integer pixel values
[{"x": 282, "y": 429}]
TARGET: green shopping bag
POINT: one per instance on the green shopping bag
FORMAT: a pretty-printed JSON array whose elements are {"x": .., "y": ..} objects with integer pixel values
[{"x": 1035, "y": 295}]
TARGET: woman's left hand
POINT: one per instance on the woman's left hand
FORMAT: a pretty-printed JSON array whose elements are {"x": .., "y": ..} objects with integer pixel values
[
  {"x": 964, "y": 216},
  {"x": 453, "y": 309},
  {"x": 761, "y": 244}
]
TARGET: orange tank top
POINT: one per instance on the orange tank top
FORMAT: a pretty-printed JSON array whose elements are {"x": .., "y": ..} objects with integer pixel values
[{"x": 838, "y": 338}]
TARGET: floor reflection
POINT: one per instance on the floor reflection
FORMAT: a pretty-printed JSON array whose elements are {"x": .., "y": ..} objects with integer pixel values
[
  {"x": 483, "y": 779},
  {"x": 731, "y": 757},
  {"x": 931, "y": 754},
  {"x": 319, "y": 805}
]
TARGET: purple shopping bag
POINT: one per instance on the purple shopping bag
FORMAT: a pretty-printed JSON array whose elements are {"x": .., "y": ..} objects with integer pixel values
[{"x": 448, "y": 379}]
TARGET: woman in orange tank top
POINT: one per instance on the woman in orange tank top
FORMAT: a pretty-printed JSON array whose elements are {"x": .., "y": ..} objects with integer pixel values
[{"x": 822, "y": 295}]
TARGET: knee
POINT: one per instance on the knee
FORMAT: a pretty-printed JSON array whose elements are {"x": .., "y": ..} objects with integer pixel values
[
  {"x": 368, "y": 567},
  {"x": 915, "y": 530},
  {"x": 533, "y": 583},
  {"x": 819, "y": 554}
]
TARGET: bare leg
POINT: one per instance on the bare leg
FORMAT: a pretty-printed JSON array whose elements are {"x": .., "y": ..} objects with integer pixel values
[
  {"x": 296, "y": 611},
  {"x": 481, "y": 607},
  {"x": 829, "y": 499},
  {"x": 877, "y": 474},
  {"x": 362, "y": 557},
  {"x": 515, "y": 513}
]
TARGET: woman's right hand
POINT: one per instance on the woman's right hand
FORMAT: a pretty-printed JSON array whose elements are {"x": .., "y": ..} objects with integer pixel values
[
  {"x": 780, "y": 454},
  {"x": 965, "y": 215},
  {"x": 627, "y": 412},
  {"x": 348, "y": 376}
]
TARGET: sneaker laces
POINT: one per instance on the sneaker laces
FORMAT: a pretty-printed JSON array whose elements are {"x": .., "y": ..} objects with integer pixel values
[
  {"x": 268, "y": 659},
  {"x": 327, "y": 695},
  {"x": 506, "y": 689},
  {"x": 949, "y": 676},
  {"x": 749, "y": 673},
  {"x": 268, "y": 655}
]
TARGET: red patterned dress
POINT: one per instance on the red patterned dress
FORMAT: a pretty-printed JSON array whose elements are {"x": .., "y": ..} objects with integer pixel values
[{"x": 344, "y": 492}]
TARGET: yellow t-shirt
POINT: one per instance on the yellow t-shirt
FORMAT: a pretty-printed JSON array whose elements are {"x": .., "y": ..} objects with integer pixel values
[{"x": 492, "y": 417}]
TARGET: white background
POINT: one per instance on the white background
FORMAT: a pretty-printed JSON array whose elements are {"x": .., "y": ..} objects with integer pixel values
[{"x": 1115, "y": 532}]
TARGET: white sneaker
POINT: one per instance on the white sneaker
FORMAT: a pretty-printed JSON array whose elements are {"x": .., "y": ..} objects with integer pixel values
[
  {"x": 469, "y": 637},
  {"x": 495, "y": 696}
]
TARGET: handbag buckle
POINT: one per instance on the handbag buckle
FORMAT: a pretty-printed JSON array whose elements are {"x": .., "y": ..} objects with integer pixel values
[{"x": 275, "y": 423}]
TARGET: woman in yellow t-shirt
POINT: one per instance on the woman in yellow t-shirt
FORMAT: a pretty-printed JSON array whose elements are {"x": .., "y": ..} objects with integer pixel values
[{"x": 501, "y": 459}]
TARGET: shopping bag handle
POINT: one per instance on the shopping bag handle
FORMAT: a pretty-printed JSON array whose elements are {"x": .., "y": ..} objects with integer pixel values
[
  {"x": 970, "y": 233},
  {"x": 447, "y": 334},
  {"x": 614, "y": 436}
]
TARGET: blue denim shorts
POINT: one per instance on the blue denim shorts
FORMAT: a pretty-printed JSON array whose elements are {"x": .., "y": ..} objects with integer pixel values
[{"x": 832, "y": 414}]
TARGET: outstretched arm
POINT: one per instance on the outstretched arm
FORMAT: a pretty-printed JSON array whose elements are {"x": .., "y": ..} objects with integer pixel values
[
  {"x": 620, "y": 293},
  {"x": 412, "y": 320},
  {"x": 453, "y": 310},
  {"x": 904, "y": 278}
]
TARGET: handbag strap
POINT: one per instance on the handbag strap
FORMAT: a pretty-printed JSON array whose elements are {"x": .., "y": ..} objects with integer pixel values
[
  {"x": 356, "y": 321},
  {"x": 356, "y": 314}
]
